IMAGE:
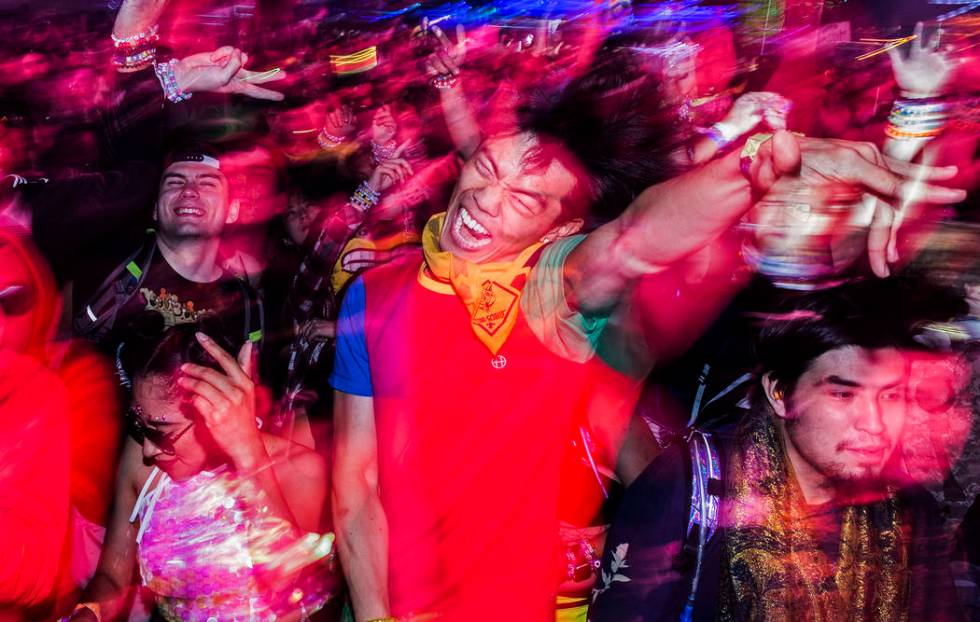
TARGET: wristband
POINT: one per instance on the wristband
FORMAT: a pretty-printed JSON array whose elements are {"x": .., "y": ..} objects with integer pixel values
[
  {"x": 364, "y": 198},
  {"x": 380, "y": 153},
  {"x": 134, "y": 61},
  {"x": 914, "y": 95},
  {"x": 165, "y": 74},
  {"x": 150, "y": 34},
  {"x": 444, "y": 81},
  {"x": 897, "y": 133},
  {"x": 328, "y": 140}
]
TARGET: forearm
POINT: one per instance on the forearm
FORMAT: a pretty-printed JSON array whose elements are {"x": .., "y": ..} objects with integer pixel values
[
  {"x": 111, "y": 597},
  {"x": 363, "y": 548},
  {"x": 463, "y": 127},
  {"x": 137, "y": 16},
  {"x": 664, "y": 224},
  {"x": 671, "y": 220}
]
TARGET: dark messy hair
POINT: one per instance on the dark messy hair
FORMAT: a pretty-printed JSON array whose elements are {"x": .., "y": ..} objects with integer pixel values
[
  {"x": 153, "y": 350},
  {"x": 872, "y": 314},
  {"x": 608, "y": 119}
]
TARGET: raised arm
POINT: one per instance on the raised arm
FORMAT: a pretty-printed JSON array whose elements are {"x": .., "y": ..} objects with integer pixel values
[
  {"x": 675, "y": 218},
  {"x": 443, "y": 66},
  {"x": 922, "y": 75},
  {"x": 359, "y": 516}
]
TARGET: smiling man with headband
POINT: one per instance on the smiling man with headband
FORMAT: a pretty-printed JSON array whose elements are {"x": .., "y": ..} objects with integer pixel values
[{"x": 176, "y": 274}]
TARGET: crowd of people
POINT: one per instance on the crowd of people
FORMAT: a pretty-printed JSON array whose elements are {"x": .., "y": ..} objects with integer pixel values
[{"x": 391, "y": 312}]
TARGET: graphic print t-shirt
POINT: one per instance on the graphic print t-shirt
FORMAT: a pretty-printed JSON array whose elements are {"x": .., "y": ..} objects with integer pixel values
[{"x": 166, "y": 299}]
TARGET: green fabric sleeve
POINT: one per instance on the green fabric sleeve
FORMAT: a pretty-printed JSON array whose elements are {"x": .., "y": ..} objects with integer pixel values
[{"x": 565, "y": 332}]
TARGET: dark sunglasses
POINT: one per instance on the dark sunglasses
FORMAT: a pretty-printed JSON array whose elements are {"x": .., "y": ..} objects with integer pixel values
[
  {"x": 16, "y": 299},
  {"x": 140, "y": 432}
]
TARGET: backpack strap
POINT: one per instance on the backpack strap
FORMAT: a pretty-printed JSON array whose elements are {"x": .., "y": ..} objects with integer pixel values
[
  {"x": 706, "y": 491},
  {"x": 99, "y": 313}
]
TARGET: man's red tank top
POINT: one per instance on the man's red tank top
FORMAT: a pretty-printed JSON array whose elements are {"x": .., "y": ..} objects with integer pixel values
[{"x": 470, "y": 447}]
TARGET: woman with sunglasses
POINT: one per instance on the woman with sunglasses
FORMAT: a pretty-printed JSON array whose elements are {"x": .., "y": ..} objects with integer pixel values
[{"x": 222, "y": 520}]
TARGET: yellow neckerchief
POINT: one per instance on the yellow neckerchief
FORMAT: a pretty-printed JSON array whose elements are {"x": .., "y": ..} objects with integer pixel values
[{"x": 487, "y": 289}]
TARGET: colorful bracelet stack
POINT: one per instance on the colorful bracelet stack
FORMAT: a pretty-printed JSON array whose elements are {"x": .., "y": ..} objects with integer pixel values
[
  {"x": 382, "y": 153},
  {"x": 328, "y": 140},
  {"x": 165, "y": 74},
  {"x": 444, "y": 81},
  {"x": 364, "y": 198},
  {"x": 135, "y": 52},
  {"x": 913, "y": 119}
]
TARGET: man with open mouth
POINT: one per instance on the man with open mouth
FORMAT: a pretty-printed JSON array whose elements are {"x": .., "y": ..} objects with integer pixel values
[{"x": 460, "y": 371}]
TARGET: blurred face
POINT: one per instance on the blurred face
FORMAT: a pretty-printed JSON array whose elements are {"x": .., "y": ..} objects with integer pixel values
[
  {"x": 171, "y": 437},
  {"x": 940, "y": 415},
  {"x": 193, "y": 201},
  {"x": 253, "y": 179},
  {"x": 504, "y": 201},
  {"x": 844, "y": 418},
  {"x": 300, "y": 214}
]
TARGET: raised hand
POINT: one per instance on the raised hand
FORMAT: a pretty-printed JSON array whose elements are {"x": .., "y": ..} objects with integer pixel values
[
  {"x": 926, "y": 71},
  {"x": 383, "y": 126},
  {"x": 787, "y": 165},
  {"x": 223, "y": 71},
  {"x": 753, "y": 108},
  {"x": 226, "y": 401},
  {"x": 340, "y": 122},
  {"x": 447, "y": 59},
  {"x": 391, "y": 171}
]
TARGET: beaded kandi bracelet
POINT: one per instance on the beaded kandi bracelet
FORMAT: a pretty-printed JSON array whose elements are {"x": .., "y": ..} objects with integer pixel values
[
  {"x": 136, "y": 51},
  {"x": 364, "y": 198},
  {"x": 444, "y": 81},
  {"x": 384, "y": 152},
  {"x": 328, "y": 140},
  {"x": 165, "y": 74}
]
